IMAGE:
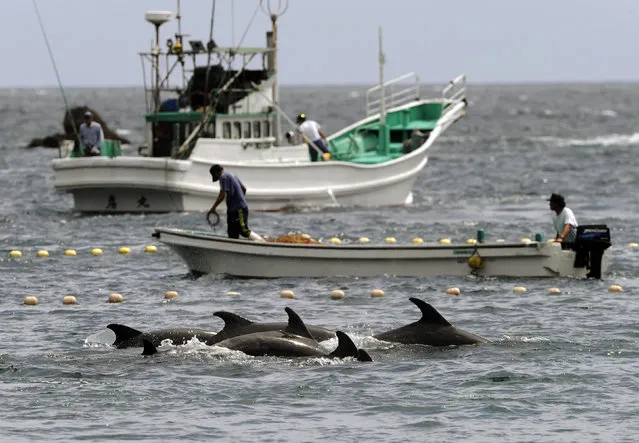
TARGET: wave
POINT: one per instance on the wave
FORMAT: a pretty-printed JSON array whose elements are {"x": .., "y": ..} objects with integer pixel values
[
  {"x": 552, "y": 141},
  {"x": 601, "y": 140}
]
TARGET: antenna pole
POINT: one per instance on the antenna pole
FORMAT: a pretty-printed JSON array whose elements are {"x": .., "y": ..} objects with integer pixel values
[
  {"x": 274, "y": 14},
  {"x": 156, "y": 57},
  {"x": 383, "y": 130},
  {"x": 382, "y": 61}
]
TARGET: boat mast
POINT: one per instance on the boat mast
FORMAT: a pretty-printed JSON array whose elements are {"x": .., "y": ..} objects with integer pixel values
[
  {"x": 274, "y": 14},
  {"x": 157, "y": 18},
  {"x": 383, "y": 132},
  {"x": 382, "y": 115}
]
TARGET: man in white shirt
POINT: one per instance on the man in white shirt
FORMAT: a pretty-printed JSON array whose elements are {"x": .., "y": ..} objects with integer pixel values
[
  {"x": 313, "y": 135},
  {"x": 564, "y": 221},
  {"x": 91, "y": 135}
]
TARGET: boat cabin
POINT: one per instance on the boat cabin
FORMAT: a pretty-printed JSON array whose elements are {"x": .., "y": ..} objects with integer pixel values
[{"x": 237, "y": 112}]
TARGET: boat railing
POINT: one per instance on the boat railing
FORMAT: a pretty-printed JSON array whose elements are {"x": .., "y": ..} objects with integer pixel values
[
  {"x": 454, "y": 92},
  {"x": 396, "y": 93}
]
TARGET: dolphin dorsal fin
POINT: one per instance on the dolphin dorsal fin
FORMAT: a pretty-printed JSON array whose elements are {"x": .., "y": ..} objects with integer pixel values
[
  {"x": 149, "y": 348},
  {"x": 296, "y": 325},
  {"x": 232, "y": 321},
  {"x": 123, "y": 333},
  {"x": 429, "y": 314},
  {"x": 345, "y": 347}
]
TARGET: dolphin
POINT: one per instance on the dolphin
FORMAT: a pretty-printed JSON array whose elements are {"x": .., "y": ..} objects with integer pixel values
[
  {"x": 293, "y": 341},
  {"x": 126, "y": 337},
  {"x": 432, "y": 329},
  {"x": 234, "y": 325}
]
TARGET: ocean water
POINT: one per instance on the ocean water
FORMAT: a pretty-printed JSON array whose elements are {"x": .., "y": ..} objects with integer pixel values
[{"x": 558, "y": 368}]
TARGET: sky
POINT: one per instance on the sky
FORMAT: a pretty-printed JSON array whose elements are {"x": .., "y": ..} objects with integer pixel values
[{"x": 332, "y": 42}]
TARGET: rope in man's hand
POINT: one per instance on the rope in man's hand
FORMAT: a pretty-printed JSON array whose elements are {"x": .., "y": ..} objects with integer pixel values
[{"x": 216, "y": 222}]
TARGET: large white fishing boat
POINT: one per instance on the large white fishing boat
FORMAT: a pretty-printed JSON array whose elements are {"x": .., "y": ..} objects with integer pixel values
[{"x": 229, "y": 114}]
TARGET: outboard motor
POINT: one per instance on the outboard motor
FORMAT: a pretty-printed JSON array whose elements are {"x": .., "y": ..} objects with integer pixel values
[{"x": 591, "y": 242}]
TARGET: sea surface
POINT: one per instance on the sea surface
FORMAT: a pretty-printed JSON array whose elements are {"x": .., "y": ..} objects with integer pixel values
[{"x": 558, "y": 368}]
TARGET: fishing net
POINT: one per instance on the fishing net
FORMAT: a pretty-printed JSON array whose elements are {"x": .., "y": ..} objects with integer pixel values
[{"x": 294, "y": 238}]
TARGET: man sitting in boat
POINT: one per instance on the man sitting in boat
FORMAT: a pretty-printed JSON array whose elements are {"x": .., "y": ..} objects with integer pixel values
[
  {"x": 564, "y": 220},
  {"x": 91, "y": 135},
  {"x": 313, "y": 135},
  {"x": 233, "y": 190}
]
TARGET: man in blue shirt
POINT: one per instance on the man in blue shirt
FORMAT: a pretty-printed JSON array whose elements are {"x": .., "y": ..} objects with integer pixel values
[{"x": 232, "y": 189}]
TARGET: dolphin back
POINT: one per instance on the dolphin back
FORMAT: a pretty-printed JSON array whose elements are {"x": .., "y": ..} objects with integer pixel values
[
  {"x": 149, "y": 348},
  {"x": 123, "y": 334},
  {"x": 430, "y": 315},
  {"x": 431, "y": 329},
  {"x": 232, "y": 321},
  {"x": 296, "y": 325},
  {"x": 346, "y": 348}
]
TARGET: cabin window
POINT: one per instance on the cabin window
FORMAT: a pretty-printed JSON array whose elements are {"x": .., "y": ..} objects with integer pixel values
[
  {"x": 266, "y": 128},
  {"x": 257, "y": 133},
  {"x": 209, "y": 131},
  {"x": 237, "y": 130},
  {"x": 226, "y": 130},
  {"x": 247, "y": 130}
]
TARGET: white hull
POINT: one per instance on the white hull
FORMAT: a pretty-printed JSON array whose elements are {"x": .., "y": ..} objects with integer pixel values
[
  {"x": 211, "y": 254},
  {"x": 277, "y": 177}
]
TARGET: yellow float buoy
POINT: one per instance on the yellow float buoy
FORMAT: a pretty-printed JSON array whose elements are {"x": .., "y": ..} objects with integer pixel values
[
  {"x": 70, "y": 253},
  {"x": 390, "y": 240},
  {"x": 115, "y": 298},
  {"x": 418, "y": 240},
  {"x": 377, "y": 293},
  {"x": 232, "y": 294},
  {"x": 337, "y": 294},
  {"x": 633, "y": 245},
  {"x": 364, "y": 239},
  {"x": 124, "y": 250},
  {"x": 287, "y": 293},
  {"x": 475, "y": 262},
  {"x": 31, "y": 300},
  {"x": 169, "y": 295},
  {"x": 615, "y": 288},
  {"x": 151, "y": 249},
  {"x": 554, "y": 290},
  {"x": 519, "y": 289},
  {"x": 500, "y": 240},
  {"x": 526, "y": 240},
  {"x": 453, "y": 291},
  {"x": 15, "y": 254},
  {"x": 69, "y": 300},
  {"x": 334, "y": 240},
  {"x": 471, "y": 241},
  {"x": 445, "y": 241},
  {"x": 42, "y": 253},
  {"x": 306, "y": 236},
  {"x": 96, "y": 251}
]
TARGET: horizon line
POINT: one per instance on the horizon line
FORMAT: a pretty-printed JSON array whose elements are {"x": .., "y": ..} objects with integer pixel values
[{"x": 436, "y": 83}]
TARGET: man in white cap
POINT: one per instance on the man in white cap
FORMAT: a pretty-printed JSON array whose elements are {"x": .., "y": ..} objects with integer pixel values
[
  {"x": 313, "y": 135},
  {"x": 91, "y": 135}
]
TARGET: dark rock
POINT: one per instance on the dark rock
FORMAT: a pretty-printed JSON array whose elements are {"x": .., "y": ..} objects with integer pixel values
[
  {"x": 77, "y": 116},
  {"x": 35, "y": 143},
  {"x": 50, "y": 141}
]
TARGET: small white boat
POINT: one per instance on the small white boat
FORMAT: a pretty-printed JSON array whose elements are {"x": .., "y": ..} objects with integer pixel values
[
  {"x": 207, "y": 253},
  {"x": 237, "y": 123}
]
